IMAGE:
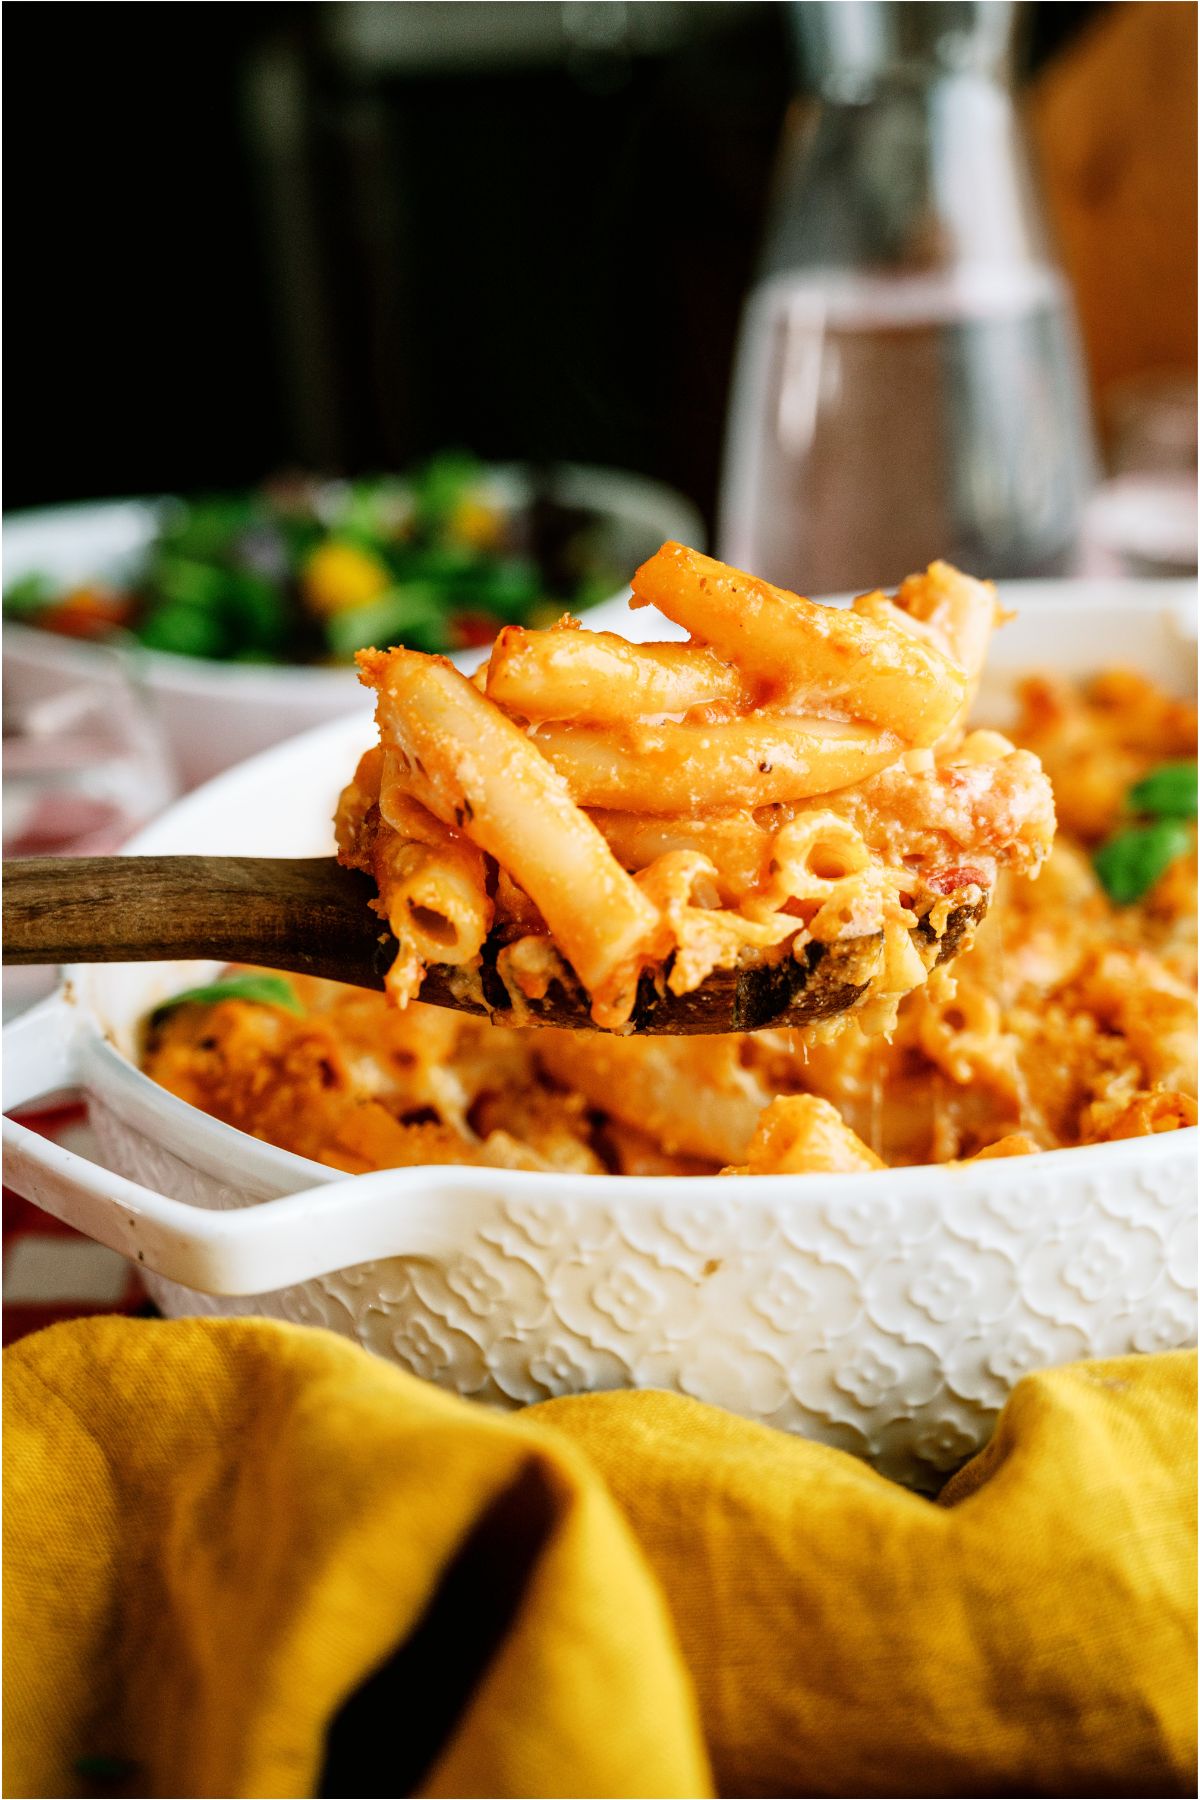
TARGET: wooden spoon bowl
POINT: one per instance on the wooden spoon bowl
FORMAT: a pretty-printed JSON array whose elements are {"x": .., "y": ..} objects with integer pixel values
[{"x": 310, "y": 916}]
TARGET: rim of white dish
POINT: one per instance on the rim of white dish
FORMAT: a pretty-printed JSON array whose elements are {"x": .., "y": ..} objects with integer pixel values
[{"x": 234, "y": 1156}]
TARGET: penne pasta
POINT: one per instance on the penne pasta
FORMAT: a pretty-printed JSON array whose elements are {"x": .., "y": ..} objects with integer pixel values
[
  {"x": 799, "y": 1134},
  {"x": 759, "y": 864},
  {"x": 692, "y": 1095},
  {"x": 738, "y": 847},
  {"x": 687, "y": 768},
  {"x": 961, "y": 612},
  {"x": 598, "y": 678},
  {"x": 952, "y": 611},
  {"x": 1129, "y": 993},
  {"x": 354, "y": 808},
  {"x": 766, "y": 788},
  {"x": 819, "y": 657},
  {"x": 432, "y": 887},
  {"x": 982, "y": 804},
  {"x": 813, "y": 858},
  {"x": 1070, "y": 1021},
  {"x": 705, "y": 934},
  {"x": 474, "y": 769}
]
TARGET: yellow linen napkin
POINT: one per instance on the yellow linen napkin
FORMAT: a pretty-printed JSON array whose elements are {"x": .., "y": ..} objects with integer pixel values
[{"x": 245, "y": 1558}]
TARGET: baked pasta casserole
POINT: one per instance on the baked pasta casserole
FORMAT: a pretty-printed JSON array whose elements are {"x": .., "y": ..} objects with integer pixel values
[
  {"x": 1072, "y": 1020},
  {"x": 793, "y": 779}
]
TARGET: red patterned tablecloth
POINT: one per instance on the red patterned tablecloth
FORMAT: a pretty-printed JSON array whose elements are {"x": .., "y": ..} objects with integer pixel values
[{"x": 50, "y": 1271}]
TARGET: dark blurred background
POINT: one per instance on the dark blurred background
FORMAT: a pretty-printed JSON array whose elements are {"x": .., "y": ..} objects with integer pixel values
[{"x": 247, "y": 237}]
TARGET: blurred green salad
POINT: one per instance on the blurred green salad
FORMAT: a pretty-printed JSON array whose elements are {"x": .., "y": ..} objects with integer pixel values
[{"x": 307, "y": 571}]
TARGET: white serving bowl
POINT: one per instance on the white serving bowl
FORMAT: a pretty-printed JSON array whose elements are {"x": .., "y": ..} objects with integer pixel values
[
  {"x": 217, "y": 714},
  {"x": 886, "y": 1313}
]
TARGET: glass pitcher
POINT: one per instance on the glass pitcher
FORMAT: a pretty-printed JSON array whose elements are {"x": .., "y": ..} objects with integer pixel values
[{"x": 908, "y": 382}]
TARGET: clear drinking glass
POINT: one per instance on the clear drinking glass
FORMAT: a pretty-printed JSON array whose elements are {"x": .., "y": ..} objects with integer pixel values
[
  {"x": 84, "y": 767},
  {"x": 1142, "y": 520},
  {"x": 908, "y": 382}
]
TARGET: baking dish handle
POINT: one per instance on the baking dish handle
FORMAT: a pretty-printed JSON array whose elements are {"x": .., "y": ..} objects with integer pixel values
[
  {"x": 40, "y": 1052},
  {"x": 251, "y": 1250}
]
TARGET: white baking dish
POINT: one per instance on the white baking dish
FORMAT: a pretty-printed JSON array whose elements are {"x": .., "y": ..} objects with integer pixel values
[{"x": 887, "y": 1313}]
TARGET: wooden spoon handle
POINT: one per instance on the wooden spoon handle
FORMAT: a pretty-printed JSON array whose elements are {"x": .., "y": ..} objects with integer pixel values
[
  {"x": 312, "y": 917},
  {"x": 307, "y": 915}
]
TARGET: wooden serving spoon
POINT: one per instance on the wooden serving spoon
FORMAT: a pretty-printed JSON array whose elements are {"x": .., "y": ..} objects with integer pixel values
[{"x": 311, "y": 916}]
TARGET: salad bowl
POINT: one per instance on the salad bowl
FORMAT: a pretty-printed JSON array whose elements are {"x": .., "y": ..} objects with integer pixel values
[
  {"x": 216, "y": 714},
  {"x": 887, "y": 1313}
]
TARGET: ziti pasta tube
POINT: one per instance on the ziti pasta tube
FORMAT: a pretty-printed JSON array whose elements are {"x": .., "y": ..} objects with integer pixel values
[
  {"x": 476, "y": 770},
  {"x": 685, "y": 768},
  {"x": 826, "y": 656},
  {"x": 768, "y": 787},
  {"x": 954, "y": 612},
  {"x": 433, "y": 887},
  {"x": 598, "y": 678}
]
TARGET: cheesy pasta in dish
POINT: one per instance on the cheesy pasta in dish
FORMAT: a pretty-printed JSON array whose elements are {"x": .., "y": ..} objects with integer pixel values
[
  {"x": 601, "y": 814},
  {"x": 1072, "y": 1020}
]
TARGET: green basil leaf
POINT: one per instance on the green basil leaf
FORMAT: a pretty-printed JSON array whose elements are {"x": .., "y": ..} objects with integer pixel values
[
  {"x": 264, "y": 990},
  {"x": 1168, "y": 792},
  {"x": 1130, "y": 863}
]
